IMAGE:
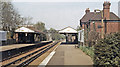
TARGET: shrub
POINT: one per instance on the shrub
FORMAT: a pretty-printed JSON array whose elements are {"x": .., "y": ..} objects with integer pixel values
[
  {"x": 88, "y": 50},
  {"x": 107, "y": 51}
]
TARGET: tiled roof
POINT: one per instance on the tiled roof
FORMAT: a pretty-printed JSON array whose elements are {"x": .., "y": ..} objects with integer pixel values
[
  {"x": 32, "y": 28},
  {"x": 97, "y": 16}
]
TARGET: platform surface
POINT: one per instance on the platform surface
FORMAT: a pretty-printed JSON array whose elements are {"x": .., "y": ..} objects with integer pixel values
[
  {"x": 9, "y": 47},
  {"x": 69, "y": 55}
]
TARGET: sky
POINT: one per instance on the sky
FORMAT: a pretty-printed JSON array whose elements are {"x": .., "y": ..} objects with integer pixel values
[
  {"x": 59, "y": 14},
  {"x": 119, "y": 9},
  {"x": 63, "y": 0}
]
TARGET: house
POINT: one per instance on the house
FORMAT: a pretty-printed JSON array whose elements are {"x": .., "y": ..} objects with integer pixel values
[{"x": 92, "y": 21}]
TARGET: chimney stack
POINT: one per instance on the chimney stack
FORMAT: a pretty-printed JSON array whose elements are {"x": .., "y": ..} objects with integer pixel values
[
  {"x": 106, "y": 10},
  {"x": 87, "y": 10}
]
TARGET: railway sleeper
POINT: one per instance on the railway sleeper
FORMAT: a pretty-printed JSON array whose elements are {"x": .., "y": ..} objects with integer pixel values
[
  {"x": 34, "y": 57},
  {"x": 20, "y": 59}
]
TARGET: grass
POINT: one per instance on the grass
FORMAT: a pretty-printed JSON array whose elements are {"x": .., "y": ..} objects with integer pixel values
[{"x": 88, "y": 50}]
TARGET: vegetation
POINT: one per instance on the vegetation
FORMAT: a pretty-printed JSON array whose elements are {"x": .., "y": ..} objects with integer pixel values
[
  {"x": 88, "y": 50},
  {"x": 107, "y": 51},
  {"x": 78, "y": 28},
  {"x": 40, "y": 26},
  {"x": 55, "y": 35},
  {"x": 9, "y": 17},
  {"x": 103, "y": 51},
  {"x": 91, "y": 37}
]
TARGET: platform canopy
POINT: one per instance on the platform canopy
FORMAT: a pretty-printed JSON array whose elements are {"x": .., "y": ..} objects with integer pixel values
[
  {"x": 67, "y": 30},
  {"x": 24, "y": 29}
]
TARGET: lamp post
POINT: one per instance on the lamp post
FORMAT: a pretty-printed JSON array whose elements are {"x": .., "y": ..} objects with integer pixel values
[{"x": 102, "y": 34}]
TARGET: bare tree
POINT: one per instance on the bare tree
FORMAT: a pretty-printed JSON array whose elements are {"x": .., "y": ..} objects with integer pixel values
[
  {"x": 10, "y": 18},
  {"x": 0, "y": 15},
  {"x": 27, "y": 21}
]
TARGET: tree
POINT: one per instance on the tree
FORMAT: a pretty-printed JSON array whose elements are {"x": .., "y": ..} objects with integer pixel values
[
  {"x": 52, "y": 30},
  {"x": 10, "y": 19},
  {"x": 55, "y": 35},
  {"x": 27, "y": 21},
  {"x": 40, "y": 26},
  {"x": 78, "y": 28}
]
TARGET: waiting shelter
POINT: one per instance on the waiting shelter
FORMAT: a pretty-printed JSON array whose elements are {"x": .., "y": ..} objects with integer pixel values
[
  {"x": 28, "y": 35},
  {"x": 70, "y": 34}
]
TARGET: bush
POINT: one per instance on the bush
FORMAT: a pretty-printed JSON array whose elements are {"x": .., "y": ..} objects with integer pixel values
[
  {"x": 107, "y": 51},
  {"x": 88, "y": 50},
  {"x": 91, "y": 38}
]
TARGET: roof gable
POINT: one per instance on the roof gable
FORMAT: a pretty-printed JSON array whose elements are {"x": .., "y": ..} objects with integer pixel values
[
  {"x": 87, "y": 17},
  {"x": 68, "y": 30},
  {"x": 113, "y": 16},
  {"x": 24, "y": 29}
]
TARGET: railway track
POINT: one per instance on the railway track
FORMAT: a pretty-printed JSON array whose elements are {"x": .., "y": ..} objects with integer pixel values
[
  {"x": 28, "y": 58},
  {"x": 8, "y": 54}
]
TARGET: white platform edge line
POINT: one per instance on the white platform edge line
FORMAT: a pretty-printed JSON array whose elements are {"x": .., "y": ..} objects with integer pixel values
[{"x": 47, "y": 59}]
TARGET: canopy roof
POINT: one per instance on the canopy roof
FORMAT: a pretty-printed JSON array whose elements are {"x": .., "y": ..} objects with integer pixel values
[
  {"x": 24, "y": 29},
  {"x": 67, "y": 30},
  {"x": 28, "y": 30}
]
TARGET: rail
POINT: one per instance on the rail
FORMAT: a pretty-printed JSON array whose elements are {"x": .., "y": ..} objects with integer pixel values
[
  {"x": 30, "y": 57},
  {"x": 6, "y": 55}
]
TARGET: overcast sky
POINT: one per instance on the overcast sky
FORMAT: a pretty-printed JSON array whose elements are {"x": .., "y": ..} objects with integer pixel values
[
  {"x": 59, "y": 13},
  {"x": 63, "y": 0}
]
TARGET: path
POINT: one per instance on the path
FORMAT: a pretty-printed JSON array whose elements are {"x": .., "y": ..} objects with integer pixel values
[{"x": 69, "y": 55}]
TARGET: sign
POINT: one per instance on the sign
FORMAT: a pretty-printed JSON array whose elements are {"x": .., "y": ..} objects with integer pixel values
[
  {"x": 3, "y": 35},
  {"x": 81, "y": 35}
]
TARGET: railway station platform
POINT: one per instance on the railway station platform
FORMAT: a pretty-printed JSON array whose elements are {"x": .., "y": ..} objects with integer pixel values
[
  {"x": 69, "y": 55},
  {"x": 15, "y": 46},
  {"x": 9, "y": 51},
  {"x": 9, "y": 47}
]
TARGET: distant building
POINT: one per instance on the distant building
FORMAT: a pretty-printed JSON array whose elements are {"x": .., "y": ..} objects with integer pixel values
[
  {"x": 70, "y": 34},
  {"x": 92, "y": 20}
]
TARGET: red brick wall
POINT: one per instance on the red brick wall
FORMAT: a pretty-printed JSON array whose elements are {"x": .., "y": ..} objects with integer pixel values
[
  {"x": 96, "y": 26},
  {"x": 113, "y": 27},
  {"x": 110, "y": 27}
]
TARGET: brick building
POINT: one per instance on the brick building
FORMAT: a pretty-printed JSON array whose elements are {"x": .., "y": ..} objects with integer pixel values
[{"x": 92, "y": 20}]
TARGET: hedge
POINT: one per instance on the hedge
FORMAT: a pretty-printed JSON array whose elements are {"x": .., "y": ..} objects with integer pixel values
[{"x": 107, "y": 50}]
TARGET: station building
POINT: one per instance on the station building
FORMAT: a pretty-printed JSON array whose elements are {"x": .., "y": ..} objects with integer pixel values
[
  {"x": 70, "y": 34},
  {"x": 28, "y": 35},
  {"x": 93, "y": 20}
]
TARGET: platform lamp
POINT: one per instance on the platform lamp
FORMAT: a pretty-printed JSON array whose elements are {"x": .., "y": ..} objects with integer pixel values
[{"x": 102, "y": 34}]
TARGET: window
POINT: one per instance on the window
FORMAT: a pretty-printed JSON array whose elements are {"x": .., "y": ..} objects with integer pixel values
[{"x": 99, "y": 26}]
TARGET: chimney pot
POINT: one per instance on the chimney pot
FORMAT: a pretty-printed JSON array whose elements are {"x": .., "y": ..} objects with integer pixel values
[
  {"x": 87, "y": 10},
  {"x": 106, "y": 10}
]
